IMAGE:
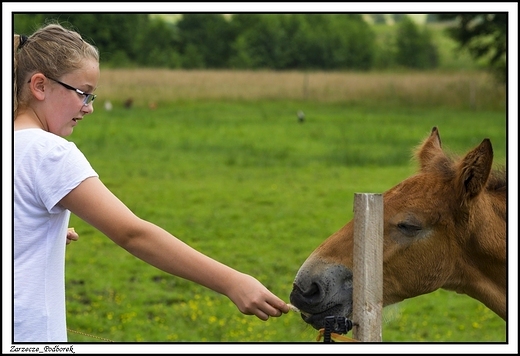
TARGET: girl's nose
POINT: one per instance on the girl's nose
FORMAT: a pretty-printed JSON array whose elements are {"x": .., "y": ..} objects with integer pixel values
[{"x": 89, "y": 108}]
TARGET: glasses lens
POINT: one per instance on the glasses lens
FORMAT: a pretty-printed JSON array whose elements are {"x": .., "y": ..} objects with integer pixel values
[{"x": 89, "y": 98}]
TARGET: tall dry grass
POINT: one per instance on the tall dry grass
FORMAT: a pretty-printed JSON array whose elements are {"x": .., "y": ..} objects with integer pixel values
[{"x": 476, "y": 90}]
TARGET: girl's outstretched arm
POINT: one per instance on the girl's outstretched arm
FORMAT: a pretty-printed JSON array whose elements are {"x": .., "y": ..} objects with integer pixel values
[{"x": 93, "y": 202}]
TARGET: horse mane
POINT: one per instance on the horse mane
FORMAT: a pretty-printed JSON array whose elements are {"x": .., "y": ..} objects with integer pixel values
[{"x": 497, "y": 181}]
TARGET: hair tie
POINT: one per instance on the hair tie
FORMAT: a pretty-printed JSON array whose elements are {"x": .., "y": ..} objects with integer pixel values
[{"x": 23, "y": 40}]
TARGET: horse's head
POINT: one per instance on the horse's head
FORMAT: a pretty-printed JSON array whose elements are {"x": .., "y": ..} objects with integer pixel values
[{"x": 432, "y": 222}]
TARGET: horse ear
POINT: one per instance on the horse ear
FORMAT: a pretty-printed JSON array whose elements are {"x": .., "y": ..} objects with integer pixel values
[
  {"x": 473, "y": 170},
  {"x": 430, "y": 148}
]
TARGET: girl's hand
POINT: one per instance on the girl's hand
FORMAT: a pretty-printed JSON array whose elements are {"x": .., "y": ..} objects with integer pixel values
[
  {"x": 253, "y": 298},
  {"x": 72, "y": 235}
]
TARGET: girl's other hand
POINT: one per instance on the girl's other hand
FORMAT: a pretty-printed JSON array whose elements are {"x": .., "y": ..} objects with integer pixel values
[{"x": 72, "y": 235}]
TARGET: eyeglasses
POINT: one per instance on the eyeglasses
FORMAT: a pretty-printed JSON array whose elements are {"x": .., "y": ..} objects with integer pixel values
[{"x": 88, "y": 97}]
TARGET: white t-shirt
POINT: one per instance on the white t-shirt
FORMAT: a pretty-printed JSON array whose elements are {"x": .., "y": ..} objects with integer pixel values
[{"x": 46, "y": 168}]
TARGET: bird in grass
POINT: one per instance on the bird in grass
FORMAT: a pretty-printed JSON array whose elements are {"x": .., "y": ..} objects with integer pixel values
[
  {"x": 301, "y": 116},
  {"x": 128, "y": 103},
  {"x": 108, "y": 105}
]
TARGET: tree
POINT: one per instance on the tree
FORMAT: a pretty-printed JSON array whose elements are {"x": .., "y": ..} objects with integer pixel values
[
  {"x": 414, "y": 47},
  {"x": 303, "y": 41},
  {"x": 263, "y": 44},
  {"x": 117, "y": 36},
  {"x": 158, "y": 45},
  {"x": 484, "y": 35},
  {"x": 208, "y": 37}
]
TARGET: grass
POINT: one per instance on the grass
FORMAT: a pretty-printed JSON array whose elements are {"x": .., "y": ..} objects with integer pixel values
[{"x": 244, "y": 182}]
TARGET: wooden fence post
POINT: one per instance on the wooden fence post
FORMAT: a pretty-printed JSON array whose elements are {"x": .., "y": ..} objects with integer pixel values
[{"x": 368, "y": 267}]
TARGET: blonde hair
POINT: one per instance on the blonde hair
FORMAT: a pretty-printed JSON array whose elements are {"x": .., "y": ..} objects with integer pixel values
[{"x": 52, "y": 50}]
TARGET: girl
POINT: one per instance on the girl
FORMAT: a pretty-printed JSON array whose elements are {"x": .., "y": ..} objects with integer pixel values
[{"x": 55, "y": 75}]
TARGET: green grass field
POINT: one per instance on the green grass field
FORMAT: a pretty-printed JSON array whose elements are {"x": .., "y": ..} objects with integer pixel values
[{"x": 245, "y": 183}]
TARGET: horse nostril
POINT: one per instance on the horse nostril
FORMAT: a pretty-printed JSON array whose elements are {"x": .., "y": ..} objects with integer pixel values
[
  {"x": 313, "y": 290},
  {"x": 306, "y": 297}
]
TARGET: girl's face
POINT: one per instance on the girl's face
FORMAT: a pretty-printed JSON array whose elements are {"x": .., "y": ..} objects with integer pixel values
[{"x": 66, "y": 106}]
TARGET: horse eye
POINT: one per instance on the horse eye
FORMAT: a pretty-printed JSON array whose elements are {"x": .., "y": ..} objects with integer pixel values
[{"x": 408, "y": 229}]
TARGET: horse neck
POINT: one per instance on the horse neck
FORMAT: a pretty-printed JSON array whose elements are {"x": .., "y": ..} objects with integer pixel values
[{"x": 481, "y": 271}]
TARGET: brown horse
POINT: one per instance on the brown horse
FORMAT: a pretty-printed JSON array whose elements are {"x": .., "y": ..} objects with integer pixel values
[{"x": 444, "y": 227}]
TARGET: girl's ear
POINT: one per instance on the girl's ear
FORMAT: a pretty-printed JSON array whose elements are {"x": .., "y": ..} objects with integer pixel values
[{"x": 37, "y": 85}]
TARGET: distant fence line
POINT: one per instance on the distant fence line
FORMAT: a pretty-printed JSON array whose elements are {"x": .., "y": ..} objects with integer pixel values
[{"x": 475, "y": 90}]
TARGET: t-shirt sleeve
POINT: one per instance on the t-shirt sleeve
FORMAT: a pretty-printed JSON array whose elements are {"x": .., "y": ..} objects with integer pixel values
[{"x": 62, "y": 169}]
